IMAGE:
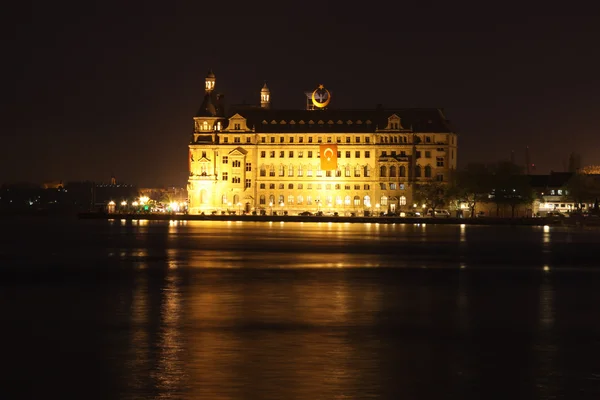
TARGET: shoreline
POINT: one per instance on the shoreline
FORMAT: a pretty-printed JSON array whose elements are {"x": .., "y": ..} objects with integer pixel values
[{"x": 380, "y": 220}]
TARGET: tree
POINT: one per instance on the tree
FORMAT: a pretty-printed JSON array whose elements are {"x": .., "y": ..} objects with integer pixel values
[
  {"x": 474, "y": 185},
  {"x": 583, "y": 189},
  {"x": 432, "y": 194},
  {"x": 510, "y": 186}
]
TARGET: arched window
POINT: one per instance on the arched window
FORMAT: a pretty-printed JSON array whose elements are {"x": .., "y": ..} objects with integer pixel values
[
  {"x": 308, "y": 200},
  {"x": 384, "y": 201},
  {"x": 418, "y": 171},
  {"x": 347, "y": 200},
  {"x": 300, "y": 170},
  {"x": 357, "y": 171},
  {"x": 428, "y": 171},
  {"x": 300, "y": 199},
  {"x": 281, "y": 201},
  {"x": 402, "y": 171},
  {"x": 291, "y": 170},
  {"x": 392, "y": 171},
  {"x": 263, "y": 170},
  {"x": 272, "y": 170},
  {"x": 367, "y": 201},
  {"x": 402, "y": 200},
  {"x": 367, "y": 170},
  {"x": 224, "y": 199},
  {"x": 281, "y": 170},
  {"x": 236, "y": 199},
  {"x": 205, "y": 126},
  {"x": 262, "y": 199},
  {"x": 291, "y": 199},
  {"x": 338, "y": 200},
  {"x": 271, "y": 200},
  {"x": 356, "y": 201},
  {"x": 347, "y": 171},
  {"x": 382, "y": 171},
  {"x": 309, "y": 171}
]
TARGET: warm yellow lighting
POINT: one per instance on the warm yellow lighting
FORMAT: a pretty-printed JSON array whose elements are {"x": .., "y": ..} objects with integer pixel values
[
  {"x": 462, "y": 226},
  {"x": 415, "y": 205},
  {"x": 123, "y": 203},
  {"x": 326, "y": 102},
  {"x": 546, "y": 228},
  {"x": 135, "y": 204},
  {"x": 111, "y": 203},
  {"x": 546, "y": 268},
  {"x": 144, "y": 200},
  {"x": 423, "y": 206}
]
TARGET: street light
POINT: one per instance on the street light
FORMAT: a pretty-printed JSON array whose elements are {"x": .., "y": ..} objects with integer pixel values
[
  {"x": 240, "y": 208},
  {"x": 271, "y": 206}
]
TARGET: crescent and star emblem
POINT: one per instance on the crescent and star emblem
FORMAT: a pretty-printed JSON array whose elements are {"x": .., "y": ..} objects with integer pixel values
[
  {"x": 320, "y": 103},
  {"x": 330, "y": 154}
]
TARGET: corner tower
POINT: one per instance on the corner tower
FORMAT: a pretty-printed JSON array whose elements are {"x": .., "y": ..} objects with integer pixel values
[
  {"x": 209, "y": 81},
  {"x": 265, "y": 97},
  {"x": 203, "y": 158}
]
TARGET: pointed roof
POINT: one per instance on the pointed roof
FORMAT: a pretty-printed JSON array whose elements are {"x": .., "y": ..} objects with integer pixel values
[
  {"x": 207, "y": 109},
  {"x": 210, "y": 74}
]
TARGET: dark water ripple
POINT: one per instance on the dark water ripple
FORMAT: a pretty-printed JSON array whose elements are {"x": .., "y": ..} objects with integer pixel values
[{"x": 92, "y": 309}]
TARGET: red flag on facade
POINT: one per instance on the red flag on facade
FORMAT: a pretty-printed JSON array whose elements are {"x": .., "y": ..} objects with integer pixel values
[{"x": 328, "y": 153}]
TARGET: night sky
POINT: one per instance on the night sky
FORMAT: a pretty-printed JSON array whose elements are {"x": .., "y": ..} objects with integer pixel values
[{"x": 94, "y": 88}]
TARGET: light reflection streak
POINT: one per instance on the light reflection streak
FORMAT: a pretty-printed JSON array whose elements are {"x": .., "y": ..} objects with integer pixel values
[
  {"x": 170, "y": 369},
  {"x": 139, "y": 358}
]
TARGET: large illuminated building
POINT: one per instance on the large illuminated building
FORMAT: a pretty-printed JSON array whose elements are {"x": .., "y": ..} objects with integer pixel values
[{"x": 258, "y": 158}]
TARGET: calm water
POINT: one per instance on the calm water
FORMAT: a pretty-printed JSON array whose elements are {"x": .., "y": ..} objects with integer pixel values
[{"x": 217, "y": 310}]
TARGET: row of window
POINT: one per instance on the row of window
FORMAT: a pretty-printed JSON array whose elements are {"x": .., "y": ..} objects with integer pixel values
[
  {"x": 328, "y": 201},
  {"x": 329, "y": 139},
  {"x": 358, "y": 171},
  {"x": 329, "y": 186},
  {"x": 263, "y": 154}
]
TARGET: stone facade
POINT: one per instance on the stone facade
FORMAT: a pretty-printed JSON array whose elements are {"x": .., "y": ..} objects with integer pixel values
[{"x": 268, "y": 160}]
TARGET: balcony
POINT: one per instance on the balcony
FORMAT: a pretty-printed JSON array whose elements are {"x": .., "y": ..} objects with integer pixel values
[{"x": 389, "y": 158}]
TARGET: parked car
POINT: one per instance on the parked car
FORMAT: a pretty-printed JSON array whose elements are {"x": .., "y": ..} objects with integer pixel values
[{"x": 305, "y": 214}]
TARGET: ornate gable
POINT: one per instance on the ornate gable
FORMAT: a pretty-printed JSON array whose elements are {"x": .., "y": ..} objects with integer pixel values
[
  {"x": 238, "y": 151},
  {"x": 394, "y": 123},
  {"x": 237, "y": 123}
]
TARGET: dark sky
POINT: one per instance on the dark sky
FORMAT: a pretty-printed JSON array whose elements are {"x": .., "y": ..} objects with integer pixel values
[{"x": 93, "y": 88}]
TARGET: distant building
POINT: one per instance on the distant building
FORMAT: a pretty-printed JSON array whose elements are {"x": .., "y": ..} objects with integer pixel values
[{"x": 319, "y": 158}]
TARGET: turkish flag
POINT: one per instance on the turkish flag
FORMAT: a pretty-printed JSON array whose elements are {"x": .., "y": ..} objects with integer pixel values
[{"x": 328, "y": 154}]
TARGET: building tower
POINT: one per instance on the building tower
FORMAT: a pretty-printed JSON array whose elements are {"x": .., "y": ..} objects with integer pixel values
[
  {"x": 265, "y": 97},
  {"x": 209, "y": 82}
]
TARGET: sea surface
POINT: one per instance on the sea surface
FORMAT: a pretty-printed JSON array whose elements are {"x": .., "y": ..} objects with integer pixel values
[{"x": 256, "y": 310}]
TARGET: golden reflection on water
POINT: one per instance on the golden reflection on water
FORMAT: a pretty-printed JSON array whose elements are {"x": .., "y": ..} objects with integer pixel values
[
  {"x": 170, "y": 372},
  {"x": 245, "y": 336}
]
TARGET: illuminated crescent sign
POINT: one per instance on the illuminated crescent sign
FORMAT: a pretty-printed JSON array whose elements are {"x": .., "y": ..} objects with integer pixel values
[
  {"x": 328, "y": 153},
  {"x": 321, "y": 97}
]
